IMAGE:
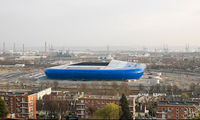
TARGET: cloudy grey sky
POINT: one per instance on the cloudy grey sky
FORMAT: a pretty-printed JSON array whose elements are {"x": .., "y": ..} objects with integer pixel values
[{"x": 100, "y": 22}]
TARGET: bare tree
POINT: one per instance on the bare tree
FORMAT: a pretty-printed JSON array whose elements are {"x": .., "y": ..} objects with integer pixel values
[
  {"x": 124, "y": 88},
  {"x": 83, "y": 88},
  {"x": 39, "y": 105},
  {"x": 94, "y": 86},
  {"x": 158, "y": 88},
  {"x": 55, "y": 84},
  {"x": 62, "y": 107},
  {"x": 91, "y": 110},
  {"x": 192, "y": 86},
  {"x": 115, "y": 88},
  {"x": 50, "y": 105},
  {"x": 141, "y": 87},
  {"x": 105, "y": 88},
  {"x": 164, "y": 88},
  {"x": 175, "y": 89}
]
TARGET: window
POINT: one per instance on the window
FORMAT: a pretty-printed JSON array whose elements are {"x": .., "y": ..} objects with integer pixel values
[
  {"x": 18, "y": 104},
  {"x": 169, "y": 109},
  {"x": 23, "y": 99},
  {"x": 163, "y": 109},
  {"x": 102, "y": 102},
  {"x": 169, "y": 116},
  {"x": 18, "y": 110},
  {"x": 185, "y": 109},
  {"x": 18, "y": 99},
  {"x": 177, "y": 110},
  {"x": 23, "y": 105},
  {"x": 6, "y": 98},
  {"x": 191, "y": 110}
]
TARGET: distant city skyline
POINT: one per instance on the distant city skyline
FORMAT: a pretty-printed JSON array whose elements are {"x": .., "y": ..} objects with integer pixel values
[
  {"x": 163, "y": 48},
  {"x": 94, "y": 23}
]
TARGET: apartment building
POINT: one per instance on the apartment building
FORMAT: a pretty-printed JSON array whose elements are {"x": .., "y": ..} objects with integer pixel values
[
  {"x": 176, "y": 109},
  {"x": 42, "y": 92},
  {"x": 90, "y": 103},
  {"x": 21, "y": 105}
]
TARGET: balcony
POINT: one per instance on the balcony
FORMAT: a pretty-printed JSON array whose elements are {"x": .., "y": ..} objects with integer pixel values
[
  {"x": 80, "y": 114},
  {"x": 161, "y": 112},
  {"x": 24, "y": 102},
  {"x": 80, "y": 103},
  {"x": 80, "y": 108},
  {"x": 24, "y": 107},
  {"x": 24, "y": 113}
]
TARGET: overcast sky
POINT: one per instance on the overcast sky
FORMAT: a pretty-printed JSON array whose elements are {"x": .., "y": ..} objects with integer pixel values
[{"x": 100, "y": 22}]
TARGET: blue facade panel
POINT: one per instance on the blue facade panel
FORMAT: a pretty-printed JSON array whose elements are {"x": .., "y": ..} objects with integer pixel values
[{"x": 86, "y": 74}]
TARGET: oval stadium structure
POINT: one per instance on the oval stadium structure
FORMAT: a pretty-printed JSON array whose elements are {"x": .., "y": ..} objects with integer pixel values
[{"x": 115, "y": 70}]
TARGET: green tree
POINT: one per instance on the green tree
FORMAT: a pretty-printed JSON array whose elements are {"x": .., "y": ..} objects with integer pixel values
[
  {"x": 184, "y": 95},
  {"x": 126, "y": 114},
  {"x": 197, "y": 116},
  {"x": 3, "y": 109},
  {"x": 110, "y": 111}
]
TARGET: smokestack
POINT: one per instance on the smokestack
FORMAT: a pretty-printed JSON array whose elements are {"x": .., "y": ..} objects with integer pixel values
[
  {"x": 14, "y": 49},
  {"x": 187, "y": 47},
  {"x": 23, "y": 49},
  {"x": 165, "y": 48},
  {"x": 4, "y": 47},
  {"x": 45, "y": 49},
  {"x": 108, "y": 49}
]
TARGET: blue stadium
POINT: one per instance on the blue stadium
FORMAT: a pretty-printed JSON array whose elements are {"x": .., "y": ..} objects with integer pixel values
[{"x": 114, "y": 70}]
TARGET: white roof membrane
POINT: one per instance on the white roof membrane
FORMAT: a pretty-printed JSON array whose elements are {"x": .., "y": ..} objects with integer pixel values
[{"x": 114, "y": 64}]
